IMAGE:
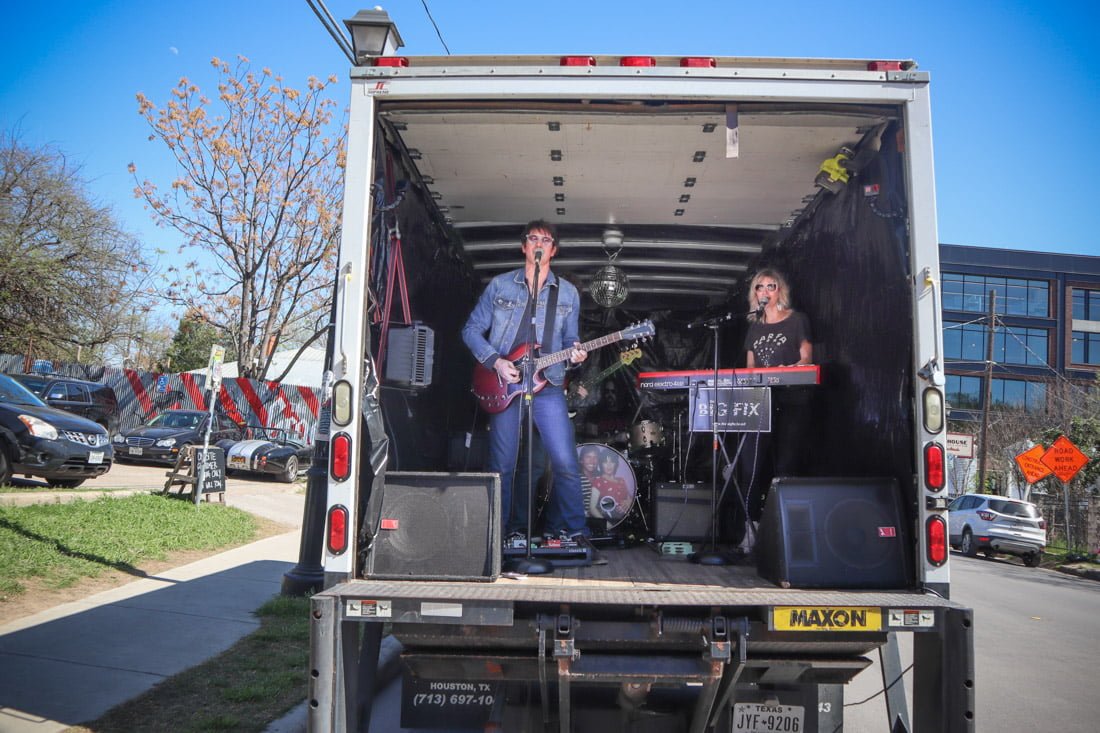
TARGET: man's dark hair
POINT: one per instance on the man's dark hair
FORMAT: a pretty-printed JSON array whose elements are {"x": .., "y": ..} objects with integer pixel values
[{"x": 544, "y": 226}]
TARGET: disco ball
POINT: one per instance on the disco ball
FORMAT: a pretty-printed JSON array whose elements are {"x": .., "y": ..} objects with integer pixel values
[{"x": 609, "y": 286}]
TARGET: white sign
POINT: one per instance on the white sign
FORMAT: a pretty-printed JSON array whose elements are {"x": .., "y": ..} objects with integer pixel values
[{"x": 960, "y": 444}]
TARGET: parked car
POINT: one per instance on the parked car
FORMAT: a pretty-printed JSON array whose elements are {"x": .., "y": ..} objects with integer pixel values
[
  {"x": 268, "y": 451},
  {"x": 990, "y": 524},
  {"x": 39, "y": 441},
  {"x": 92, "y": 400},
  {"x": 163, "y": 438}
]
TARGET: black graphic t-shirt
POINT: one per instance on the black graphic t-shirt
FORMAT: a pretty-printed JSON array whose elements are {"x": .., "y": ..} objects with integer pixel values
[{"x": 777, "y": 344}]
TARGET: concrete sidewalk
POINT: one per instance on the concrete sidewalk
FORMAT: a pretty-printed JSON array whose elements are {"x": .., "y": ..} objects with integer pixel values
[{"x": 72, "y": 663}]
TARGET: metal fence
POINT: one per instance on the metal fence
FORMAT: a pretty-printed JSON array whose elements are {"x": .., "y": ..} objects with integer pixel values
[{"x": 142, "y": 395}]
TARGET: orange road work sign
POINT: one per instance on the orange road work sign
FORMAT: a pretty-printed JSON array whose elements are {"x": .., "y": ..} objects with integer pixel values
[
  {"x": 1064, "y": 459},
  {"x": 1031, "y": 463}
]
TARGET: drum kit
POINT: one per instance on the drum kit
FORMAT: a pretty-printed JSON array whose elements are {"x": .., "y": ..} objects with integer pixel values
[{"x": 618, "y": 485}]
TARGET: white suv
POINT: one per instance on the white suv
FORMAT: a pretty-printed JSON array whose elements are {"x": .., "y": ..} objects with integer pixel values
[{"x": 991, "y": 524}]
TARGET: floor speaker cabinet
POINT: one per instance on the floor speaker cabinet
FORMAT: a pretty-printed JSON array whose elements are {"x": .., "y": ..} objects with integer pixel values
[
  {"x": 437, "y": 526},
  {"x": 682, "y": 512},
  {"x": 833, "y": 533}
]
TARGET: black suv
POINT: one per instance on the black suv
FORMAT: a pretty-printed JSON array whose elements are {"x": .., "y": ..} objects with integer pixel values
[
  {"x": 37, "y": 440},
  {"x": 92, "y": 400}
]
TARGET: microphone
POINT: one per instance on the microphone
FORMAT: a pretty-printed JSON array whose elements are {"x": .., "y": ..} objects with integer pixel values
[
  {"x": 538, "y": 255},
  {"x": 763, "y": 302}
]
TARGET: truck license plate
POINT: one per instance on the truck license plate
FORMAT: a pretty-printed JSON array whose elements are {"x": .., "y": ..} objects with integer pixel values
[
  {"x": 135, "y": 451},
  {"x": 238, "y": 462},
  {"x": 754, "y": 717},
  {"x": 95, "y": 456}
]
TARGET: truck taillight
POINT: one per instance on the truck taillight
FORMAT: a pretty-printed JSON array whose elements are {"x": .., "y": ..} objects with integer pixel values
[
  {"x": 935, "y": 537},
  {"x": 698, "y": 62},
  {"x": 933, "y": 410},
  {"x": 399, "y": 61},
  {"x": 637, "y": 61},
  {"x": 337, "y": 539},
  {"x": 934, "y": 473},
  {"x": 578, "y": 61},
  {"x": 340, "y": 457}
]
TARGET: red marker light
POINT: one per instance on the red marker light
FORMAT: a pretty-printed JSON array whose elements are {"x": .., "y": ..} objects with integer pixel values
[
  {"x": 337, "y": 536},
  {"x": 935, "y": 537},
  {"x": 698, "y": 62},
  {"x": 340, "y": 462},
  {"x": 884, "y": 66},
  {"x": 935, "y": 477},
  {"x": 389, "y": 61},
  {"x": 578, "y": 61},
  {"x": 637, "y": 61}
]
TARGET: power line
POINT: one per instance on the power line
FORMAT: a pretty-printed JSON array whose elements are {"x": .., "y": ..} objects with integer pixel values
[{"x": 429, "y": 12}]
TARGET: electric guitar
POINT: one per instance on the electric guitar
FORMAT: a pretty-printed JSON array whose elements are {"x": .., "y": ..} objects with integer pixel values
[
  {"x": 574, "y": 396},
  {"x": 494, "y": 395}
]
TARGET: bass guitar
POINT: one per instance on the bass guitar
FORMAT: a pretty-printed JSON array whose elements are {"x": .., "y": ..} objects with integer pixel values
[
  {"x": 494, "y": 394},
  {"x": 579, "y": 393}
]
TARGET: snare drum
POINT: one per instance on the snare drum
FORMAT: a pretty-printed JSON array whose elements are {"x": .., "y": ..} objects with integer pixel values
[
  {"x": 646, "y": 437},
  {"x": 607, "y": 481}
]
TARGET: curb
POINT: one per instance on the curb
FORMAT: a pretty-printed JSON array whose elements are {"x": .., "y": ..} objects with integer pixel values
[
  {"x": 1087, "y": 573},
  {"x": 389, "y": 659}
]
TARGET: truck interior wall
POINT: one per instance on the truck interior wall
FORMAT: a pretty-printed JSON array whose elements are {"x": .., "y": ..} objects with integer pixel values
[
  {"x": 441, "y": 292},
  {"x": 848, "y": 266}
]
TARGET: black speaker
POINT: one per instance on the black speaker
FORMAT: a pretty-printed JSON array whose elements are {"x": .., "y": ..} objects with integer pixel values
[
  {"x": 833, "y": 533},
  {"x": 682, "y": 512},
  {"x": 437, "y": 526}
]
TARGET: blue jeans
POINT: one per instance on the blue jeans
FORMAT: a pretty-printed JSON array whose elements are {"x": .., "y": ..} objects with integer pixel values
[{"x": 551, "y": 417}]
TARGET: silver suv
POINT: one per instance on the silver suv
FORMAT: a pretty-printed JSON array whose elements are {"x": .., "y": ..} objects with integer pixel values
[{"x": 991, "y": 524}]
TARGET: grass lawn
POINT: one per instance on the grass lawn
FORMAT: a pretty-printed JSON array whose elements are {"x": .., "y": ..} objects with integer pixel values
[{"x": 58, "y": 545}]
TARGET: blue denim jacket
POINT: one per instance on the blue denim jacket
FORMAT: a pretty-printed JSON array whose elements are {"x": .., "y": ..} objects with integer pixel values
[{"x": 499, "y": 314}]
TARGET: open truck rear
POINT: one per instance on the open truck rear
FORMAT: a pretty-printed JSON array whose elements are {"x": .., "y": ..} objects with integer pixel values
[{"x": 709, "y": 169}]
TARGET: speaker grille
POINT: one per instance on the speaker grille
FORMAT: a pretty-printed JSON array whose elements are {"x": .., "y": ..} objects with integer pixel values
[
  {"x": 440, "y": 526},
  {"x": 834, "y": 533}
]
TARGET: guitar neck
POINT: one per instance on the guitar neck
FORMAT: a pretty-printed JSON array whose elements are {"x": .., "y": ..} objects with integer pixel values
[{"x": 544, "y": 361}]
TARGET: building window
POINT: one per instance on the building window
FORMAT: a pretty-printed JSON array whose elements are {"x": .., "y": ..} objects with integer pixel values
[
  {"x": 1086, "y": 305},
  {"x": 964, "y": 393},
  {"x": 1011, "y": 345},
  {"x": 1015, "y": 297},
  {"x": 1030, "y": 396},
  {"x": 1086, "y": 347}
]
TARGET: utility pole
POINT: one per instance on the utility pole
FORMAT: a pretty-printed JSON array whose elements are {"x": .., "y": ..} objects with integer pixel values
[{"x": 988, "y": 399}]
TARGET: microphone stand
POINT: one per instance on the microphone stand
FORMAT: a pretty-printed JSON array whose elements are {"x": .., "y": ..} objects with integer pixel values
[
  {"x": 528, "y": 565},
  {"x": 713, "y": 556}
]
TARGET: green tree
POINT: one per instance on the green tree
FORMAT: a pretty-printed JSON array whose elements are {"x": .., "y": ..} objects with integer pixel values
[
  {"x": 257, "y": 201},
  {"x": 190, "y": 347},
  {"x": 69, "y": 273}
]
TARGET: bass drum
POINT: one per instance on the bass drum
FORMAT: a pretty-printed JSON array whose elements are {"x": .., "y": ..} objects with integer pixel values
[{"x": 608, "y": 483}]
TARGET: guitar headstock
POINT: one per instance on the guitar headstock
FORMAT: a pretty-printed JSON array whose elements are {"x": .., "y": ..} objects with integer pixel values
[
  {"x": 630, "y": 355},
  {"x": 639, "y": 331}
]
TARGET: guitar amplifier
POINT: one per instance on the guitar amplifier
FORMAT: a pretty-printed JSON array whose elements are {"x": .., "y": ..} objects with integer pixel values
[{"x": 682, "y": 512}]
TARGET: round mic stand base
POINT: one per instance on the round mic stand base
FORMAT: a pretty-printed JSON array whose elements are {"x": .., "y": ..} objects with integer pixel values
[
  {"x": 528, "y": 566},
  {"x": 709, "y": 557}
]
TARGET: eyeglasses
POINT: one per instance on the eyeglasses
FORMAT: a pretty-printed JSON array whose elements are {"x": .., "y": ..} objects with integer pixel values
[
  {"x": 537, "y": 238},
  {"x": 769, "y": 286}
]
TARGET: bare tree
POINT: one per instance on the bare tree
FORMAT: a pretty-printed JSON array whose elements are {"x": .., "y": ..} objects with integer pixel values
[
  {"x": 258, "y": 203},
  {"x": 69, "y": 274}
]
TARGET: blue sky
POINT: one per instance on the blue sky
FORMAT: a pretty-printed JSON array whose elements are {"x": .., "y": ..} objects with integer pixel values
[{"x": 1016, "y": 98}]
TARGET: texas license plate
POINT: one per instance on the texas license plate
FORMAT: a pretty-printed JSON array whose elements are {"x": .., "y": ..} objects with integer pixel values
[
  {"x": 135, "y": 451},
  {"x": 95, "y": 456},
  {"x": 755, "y": 717}
]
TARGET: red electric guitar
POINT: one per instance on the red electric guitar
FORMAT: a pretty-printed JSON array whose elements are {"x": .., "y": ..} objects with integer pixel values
[{"x": 495, "y": 395}]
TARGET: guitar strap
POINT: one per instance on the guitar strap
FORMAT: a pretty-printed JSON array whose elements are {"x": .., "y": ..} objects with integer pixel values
[{"x": 551, "y": 312}]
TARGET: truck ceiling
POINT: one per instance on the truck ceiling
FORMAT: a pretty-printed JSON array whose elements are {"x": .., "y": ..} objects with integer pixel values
[{"x": 694, "y": 209}]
